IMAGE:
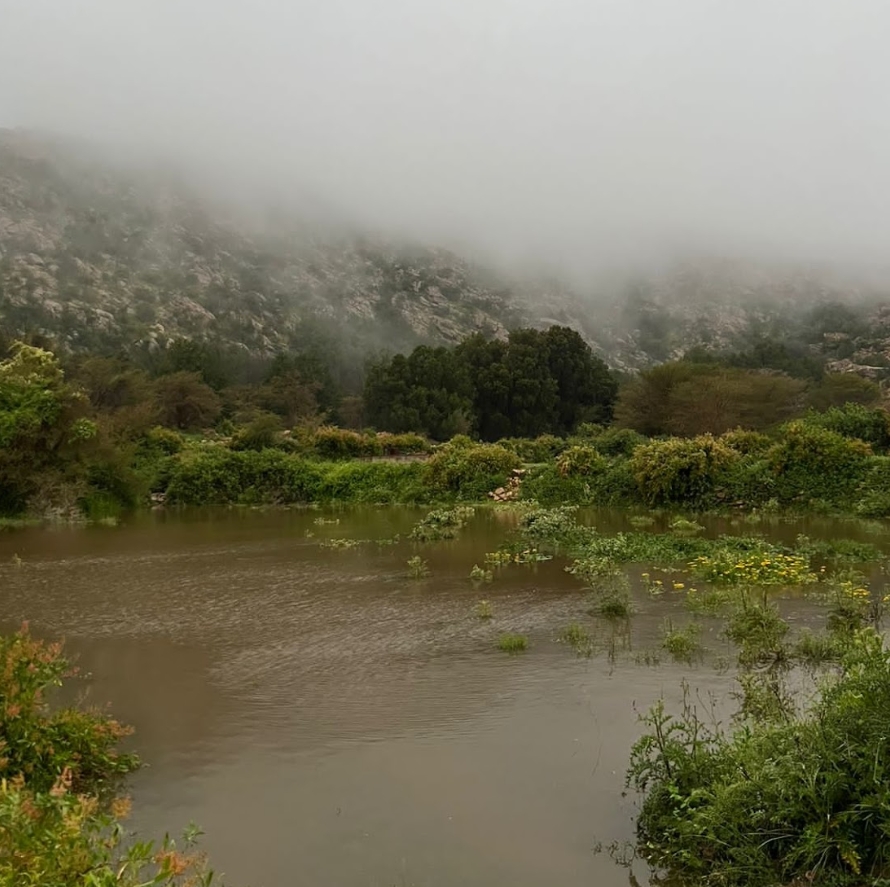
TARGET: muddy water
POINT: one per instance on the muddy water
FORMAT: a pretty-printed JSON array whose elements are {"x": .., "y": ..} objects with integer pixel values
[{"x": 329, "y": 721}]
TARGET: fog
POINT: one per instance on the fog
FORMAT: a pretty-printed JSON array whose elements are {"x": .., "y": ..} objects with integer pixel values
[{"x": 573, "y": 132}]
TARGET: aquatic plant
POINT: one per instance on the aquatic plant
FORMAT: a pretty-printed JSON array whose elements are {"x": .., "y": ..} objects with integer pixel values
[
  {"x": 512, "y": 643},
  {"x": 442, "y": 523},
  {"x": 682, "y": 525},
  {"x": 578, "y": 638},
  {"x": 759, "y": 568},
  {"x": 641, "y": 520},
  {"x": 478, "y": 574},
  {"x": 417, "y": 567},
  {"x": 484, "y": 610},
  {"x": 682, "y": 643}
]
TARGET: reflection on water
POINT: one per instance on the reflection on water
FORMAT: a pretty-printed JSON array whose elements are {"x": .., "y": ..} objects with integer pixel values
[{"x": 328, "y": 720}]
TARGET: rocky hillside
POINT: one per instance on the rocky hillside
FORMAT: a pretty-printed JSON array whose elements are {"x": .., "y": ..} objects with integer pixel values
[{"x": 98, "y": 257}]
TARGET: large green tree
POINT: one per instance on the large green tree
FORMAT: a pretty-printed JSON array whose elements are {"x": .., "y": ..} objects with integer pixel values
[{"x": 43, "y": 426}]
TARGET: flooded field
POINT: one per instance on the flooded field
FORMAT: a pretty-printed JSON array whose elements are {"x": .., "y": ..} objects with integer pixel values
[{"x": 329, "y": 720}]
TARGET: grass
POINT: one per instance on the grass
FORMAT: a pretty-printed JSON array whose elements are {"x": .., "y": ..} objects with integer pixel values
[
  {"x": 578, "y": 638},
  {"x": 513, "y": 643}
]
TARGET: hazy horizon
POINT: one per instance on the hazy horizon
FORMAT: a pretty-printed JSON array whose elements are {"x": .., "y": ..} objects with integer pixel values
[{"x": 576, "y": 135}]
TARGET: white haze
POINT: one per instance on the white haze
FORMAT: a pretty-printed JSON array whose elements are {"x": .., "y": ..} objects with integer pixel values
[{"x": 580, "y": 133}]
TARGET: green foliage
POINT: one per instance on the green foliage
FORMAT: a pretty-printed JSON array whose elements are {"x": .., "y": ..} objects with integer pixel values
[
  {"x": 688, "y": 399},
  {"x": 541, "y": 449},
  {"x": 682, "y": 472},
  {"x": 55, "y": 838},
  {"x": 855, "y": 421},
  {"x": 59, "y": 818},
  {"x": 484, "y": 610},
  {"x": 812, "y": 463},
  {"x": 339, "y": 443},
  {"x": 684, "y": 643},
  {"x": 262, "y": 433},
  {"x": 183, "y": 401},
  {"x": 44, "y": 434},
  {"x": 748, "y": 443},
  {"x": 788, "y": 799},
  {"x": 40, "y": 746},
  {"x": 467, "y": 470},
  {"x": 418, "y": 568},
  {"x": 839, "y": 389},
  {"x": 578, "y": 638},
  {"x": 874, "y": 490},
  {"x": 580, "y": 461},
  {"x": 442, "y": 523},
  {"x": 215, "y": 475},
  {"x": 513, "y": 643},
  {"x": 480, "y": 574},
  {"x": 535, "y": 383}
]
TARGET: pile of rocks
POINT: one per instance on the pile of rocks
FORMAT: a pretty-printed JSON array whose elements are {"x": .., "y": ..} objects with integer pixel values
[{"x": 510, "y": 492}]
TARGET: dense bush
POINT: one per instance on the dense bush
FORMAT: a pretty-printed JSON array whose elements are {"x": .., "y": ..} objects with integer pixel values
[
  {"x": 786, "y": 800},
  {"x": 214, "y": 475},
  {"x": 59, "y": 818},
  {"x": 339, "y": 443},
  {"x": 812, "y": 463},
  {"x": 855, "y": 421},
  {"x": 539, "y": 449},
  {"x": 468, "y": 470},
  {"x": 681, "y": 471},
  {"x": 874, "y": 491},
  {"x": 580, "y": 461}
]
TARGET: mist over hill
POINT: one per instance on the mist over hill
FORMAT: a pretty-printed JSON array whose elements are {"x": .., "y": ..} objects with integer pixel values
[{"x": 97, "y": 255}]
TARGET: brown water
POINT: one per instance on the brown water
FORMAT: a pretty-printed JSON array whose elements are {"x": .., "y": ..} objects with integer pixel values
[{"x": 329, "y": 721}]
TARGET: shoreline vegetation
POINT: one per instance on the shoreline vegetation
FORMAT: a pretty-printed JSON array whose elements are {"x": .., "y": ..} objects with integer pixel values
[{"x": 91, "y": 437}]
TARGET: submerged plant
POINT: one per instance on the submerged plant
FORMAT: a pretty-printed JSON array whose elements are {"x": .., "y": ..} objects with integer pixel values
[
  {"x": 484, "y": 610},
  {"x": 682, "y": 643},
  {"x": 578, "y": 638},
  {"x": 512, "y": 643},
  {"x": 641, "y": 520},
  {"x": 477, "y": 574},
  {"x": 442, "y": 523},
  {"x": 681, "y": 525},
  {"x": 417, "y": 567}
]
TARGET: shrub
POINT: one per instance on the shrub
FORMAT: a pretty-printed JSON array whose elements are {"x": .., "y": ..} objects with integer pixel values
[
  {"x": 539, "y": 449},
  {"x": 469, "y": 470},
  {"x": 262, "y": 433},
  {"x": 339, "y": 443},
  {"x": 874, "y": 490},
  {"x": 812, "y": 463},
  {"x": 681, "y": 471},
  {"x": 805, "y": 800},
  {"x": 617, "y": 441},
  {"x": 580, "y": 461},
  {"x": 856, "y": 421},
  {"x": 214, "y": 475},
  {"x": 40, "y": 746},
  {"x": 402, "y": 444},
  {"x": 748, "y": 443}
]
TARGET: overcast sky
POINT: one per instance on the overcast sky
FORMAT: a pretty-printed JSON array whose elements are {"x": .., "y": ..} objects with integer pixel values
[{"x": 576, "y": 130}]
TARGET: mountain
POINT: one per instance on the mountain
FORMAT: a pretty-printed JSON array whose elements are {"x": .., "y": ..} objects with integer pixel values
[{"x": 101, "y": 256}]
